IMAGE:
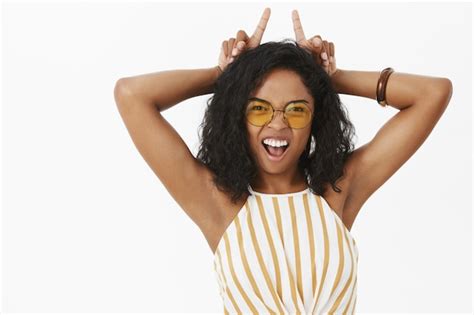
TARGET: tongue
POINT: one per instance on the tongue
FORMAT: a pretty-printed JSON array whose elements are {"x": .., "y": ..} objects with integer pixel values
[{"x": 275, "y": 151}]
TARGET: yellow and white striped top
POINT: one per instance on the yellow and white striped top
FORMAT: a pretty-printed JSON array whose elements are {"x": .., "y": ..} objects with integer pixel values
[{"x": 287, "y": 254}]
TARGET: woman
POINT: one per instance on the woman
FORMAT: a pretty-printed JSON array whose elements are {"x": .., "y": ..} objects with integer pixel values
[{"x": 276, "y": 184}]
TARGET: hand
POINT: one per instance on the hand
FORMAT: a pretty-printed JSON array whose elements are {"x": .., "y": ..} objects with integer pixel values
[
  {"x": 235, "y": 46},
  {"x": 323, "y": 51}
]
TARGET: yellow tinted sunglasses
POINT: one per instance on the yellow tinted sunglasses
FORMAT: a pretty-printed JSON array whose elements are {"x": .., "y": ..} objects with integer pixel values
[{"x": 297, "y": 115}]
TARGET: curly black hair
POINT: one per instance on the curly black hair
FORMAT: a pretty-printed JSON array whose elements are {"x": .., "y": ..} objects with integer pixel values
[{"x": 224, "y": 146}]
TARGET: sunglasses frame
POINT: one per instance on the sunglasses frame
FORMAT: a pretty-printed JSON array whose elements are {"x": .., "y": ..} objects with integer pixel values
[{"x": 283, "y": 113}]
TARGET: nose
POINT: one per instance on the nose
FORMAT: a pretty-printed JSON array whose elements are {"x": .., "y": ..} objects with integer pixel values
[{"x": 278, "y": 121}]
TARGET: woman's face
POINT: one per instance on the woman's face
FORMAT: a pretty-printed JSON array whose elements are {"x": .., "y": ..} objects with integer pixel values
[{"x": 280, "y": 87}]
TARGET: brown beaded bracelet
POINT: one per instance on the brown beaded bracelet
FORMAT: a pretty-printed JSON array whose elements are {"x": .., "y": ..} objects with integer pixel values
[{"x": 382, "y": 86}]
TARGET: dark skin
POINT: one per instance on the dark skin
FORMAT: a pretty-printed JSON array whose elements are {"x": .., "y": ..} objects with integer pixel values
[
  {"x": 419, "y": 100},
  {"x": 280, "y": 177},
  {"x": 322, "y": 50},
  {"x": 280, "y": 87}
]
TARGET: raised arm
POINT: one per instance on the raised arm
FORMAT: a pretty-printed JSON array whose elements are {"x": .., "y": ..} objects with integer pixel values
[
  {"x": 421, "y": 101},
  {"x": 165, "y": 89},
  {"x": 141, "y": 99},
  {"x": 405, "y": 89}
]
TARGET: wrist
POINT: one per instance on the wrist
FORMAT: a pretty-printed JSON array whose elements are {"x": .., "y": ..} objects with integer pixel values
[
  {"x": 215, "y": 73},
  {"x": 218, "y": 71},
  {"x": 336, "y": 78}
]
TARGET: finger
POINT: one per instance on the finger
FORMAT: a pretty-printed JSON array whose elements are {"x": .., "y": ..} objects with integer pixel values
[
  {"x": 240, "y": 38},
  {"x": 332, "y": 58},
  {"x": 224, "y": 48},
  {"x": 297, "y": 27},
  {"x": 241, "y": 45},
  {"x": 325, "y": 53},
  {"x": 238, "y": 48},
  {"x": 317, "y": 40},
  {"x": 332, "y": 51},
  {"x": 326, "y": 47},
  {"x": 256, "y": 38},
  {"x": 317, "y": 44},
  {"x": 324, "y": 58},
  {"x": 332, "y": 64},
  {"x": 230, "y": 46}
]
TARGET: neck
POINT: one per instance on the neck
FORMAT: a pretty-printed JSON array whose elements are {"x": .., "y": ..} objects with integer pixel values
[{"x": 279, "y": 183}]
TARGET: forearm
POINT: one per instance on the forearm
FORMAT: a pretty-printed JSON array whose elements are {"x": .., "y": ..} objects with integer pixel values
[
  {"x": 403, "y": 89},
  {"x": 167, "y": 88}
]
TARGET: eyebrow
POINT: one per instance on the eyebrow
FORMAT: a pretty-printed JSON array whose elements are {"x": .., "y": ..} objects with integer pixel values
[{"x": 267, "y": 102}]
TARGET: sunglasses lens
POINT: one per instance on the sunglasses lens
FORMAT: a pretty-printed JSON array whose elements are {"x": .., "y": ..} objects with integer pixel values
[
  {"x": 259, "y": 114},
  {"x": 298, "y": 115}
]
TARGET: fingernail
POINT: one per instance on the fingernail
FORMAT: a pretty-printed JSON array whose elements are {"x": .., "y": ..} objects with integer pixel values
[
  {"x": 231, "y": 59},
  {"x": 317, "y": 41},
  {"x": 324, "y": 56}
]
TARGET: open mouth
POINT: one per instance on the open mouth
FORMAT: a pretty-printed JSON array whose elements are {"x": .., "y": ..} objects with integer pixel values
[{"x": 275, "y": 153}]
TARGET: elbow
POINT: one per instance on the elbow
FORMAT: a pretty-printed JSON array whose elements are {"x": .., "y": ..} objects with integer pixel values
[
  {"x": 122, "y": 91},
  {"x": 439, "y": 92},
  {"x": 444, "y": 91}
]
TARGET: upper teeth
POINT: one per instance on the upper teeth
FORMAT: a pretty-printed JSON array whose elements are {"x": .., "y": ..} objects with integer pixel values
[{"x": 275, "y": 143}]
